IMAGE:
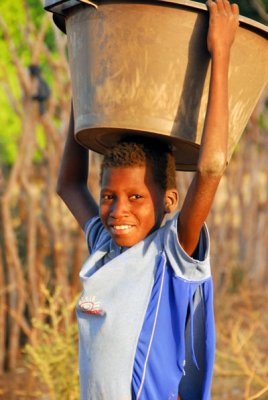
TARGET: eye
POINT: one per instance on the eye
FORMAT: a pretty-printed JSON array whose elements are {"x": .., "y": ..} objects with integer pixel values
[
  {"x": 106, "y": 196},
  {"x": 135, "y": 197}
]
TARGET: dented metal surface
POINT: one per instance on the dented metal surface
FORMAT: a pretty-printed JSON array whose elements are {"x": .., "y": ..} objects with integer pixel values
[{"x": 144, "y": 68}]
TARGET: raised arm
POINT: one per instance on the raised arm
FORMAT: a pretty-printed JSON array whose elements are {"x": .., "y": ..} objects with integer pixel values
[
  {"x": 223, "y": 23},
  {"x": 72, "y": 181}
]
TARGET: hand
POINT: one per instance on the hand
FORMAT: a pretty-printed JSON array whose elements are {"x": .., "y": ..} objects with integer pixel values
[{"x": 223, "y": 24}]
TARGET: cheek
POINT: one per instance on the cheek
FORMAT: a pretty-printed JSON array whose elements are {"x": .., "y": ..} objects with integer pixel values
[
  {"x": 103, "y": 212},
  {"x": 158, "y": 204},
  {"x": 149, "y": 214}
]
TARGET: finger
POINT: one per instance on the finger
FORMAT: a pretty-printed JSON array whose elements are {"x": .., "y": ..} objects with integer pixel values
[
  {"x": 220, "y": 5},
  {"x": 210, "y": 3},
  {"x": 235, "y": 10},
  {"x": 227, "y": 7},
  {"x": 212, "y": 6}
]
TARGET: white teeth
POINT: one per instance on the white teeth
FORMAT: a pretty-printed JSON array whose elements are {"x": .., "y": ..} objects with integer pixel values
[{"x": 121, "y": 227}]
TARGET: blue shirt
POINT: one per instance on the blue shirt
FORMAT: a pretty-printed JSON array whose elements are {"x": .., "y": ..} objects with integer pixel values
[{"x": 141, "y": 316}]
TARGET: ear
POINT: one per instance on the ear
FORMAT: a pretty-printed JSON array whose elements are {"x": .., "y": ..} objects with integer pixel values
[{"x": 171, "y": 200}]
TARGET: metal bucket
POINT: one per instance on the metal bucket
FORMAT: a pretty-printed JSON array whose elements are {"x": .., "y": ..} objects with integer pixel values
[{"x": 143, "y": 68}]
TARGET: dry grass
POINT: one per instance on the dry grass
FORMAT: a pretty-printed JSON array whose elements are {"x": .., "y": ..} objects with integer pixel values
[{"x": 241, "y": 369}]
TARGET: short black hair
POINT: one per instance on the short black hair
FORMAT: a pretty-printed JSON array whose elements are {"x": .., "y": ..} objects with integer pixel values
[{"x": 140, "y": 150}]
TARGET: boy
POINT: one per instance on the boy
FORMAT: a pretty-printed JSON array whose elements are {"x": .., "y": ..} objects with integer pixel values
[{"x": 146, "y": 314}]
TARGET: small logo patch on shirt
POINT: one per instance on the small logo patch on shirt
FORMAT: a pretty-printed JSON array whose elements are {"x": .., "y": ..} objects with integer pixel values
[{"x": 89, "y": 305}]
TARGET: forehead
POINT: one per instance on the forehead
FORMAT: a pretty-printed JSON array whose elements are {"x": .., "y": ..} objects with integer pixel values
[{"x": 128, "y": 176}]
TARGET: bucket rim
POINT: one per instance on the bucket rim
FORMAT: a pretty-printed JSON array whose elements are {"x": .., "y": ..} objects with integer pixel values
[
  {"x": 103, "y": 136},
  {"x": 262, "y": 29}
]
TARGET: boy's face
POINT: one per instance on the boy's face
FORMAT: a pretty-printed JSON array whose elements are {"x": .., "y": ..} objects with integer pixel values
[{"x": 132, "y": 205}]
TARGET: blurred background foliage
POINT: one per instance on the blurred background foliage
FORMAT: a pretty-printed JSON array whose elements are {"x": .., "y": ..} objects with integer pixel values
[
  {"x": 15, "y": 15},
  {"x": 42, "y": 246}
]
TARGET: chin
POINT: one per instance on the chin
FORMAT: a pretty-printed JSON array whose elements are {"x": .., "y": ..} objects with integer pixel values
[{"x": 125, "y": 242}]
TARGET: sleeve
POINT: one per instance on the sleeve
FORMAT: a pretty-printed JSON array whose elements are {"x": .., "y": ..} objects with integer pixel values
[
  {"x": 95, "y": 233},
  {"x": 196, "y": 268}
]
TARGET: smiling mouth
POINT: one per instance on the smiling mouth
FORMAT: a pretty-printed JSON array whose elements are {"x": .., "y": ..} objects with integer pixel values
[{"x": 121, "y": 229}]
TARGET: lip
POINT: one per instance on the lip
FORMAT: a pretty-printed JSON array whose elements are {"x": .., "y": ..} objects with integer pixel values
[{"x": 120, "y": 229}]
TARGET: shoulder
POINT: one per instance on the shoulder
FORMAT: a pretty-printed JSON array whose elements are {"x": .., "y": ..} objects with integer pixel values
[
  {"x": 194, "y": 268},
  {"x": 95, "y": 233}
]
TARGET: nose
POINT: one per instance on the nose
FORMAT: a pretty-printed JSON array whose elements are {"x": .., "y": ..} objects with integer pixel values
[{"x": 119, "y": 208}]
